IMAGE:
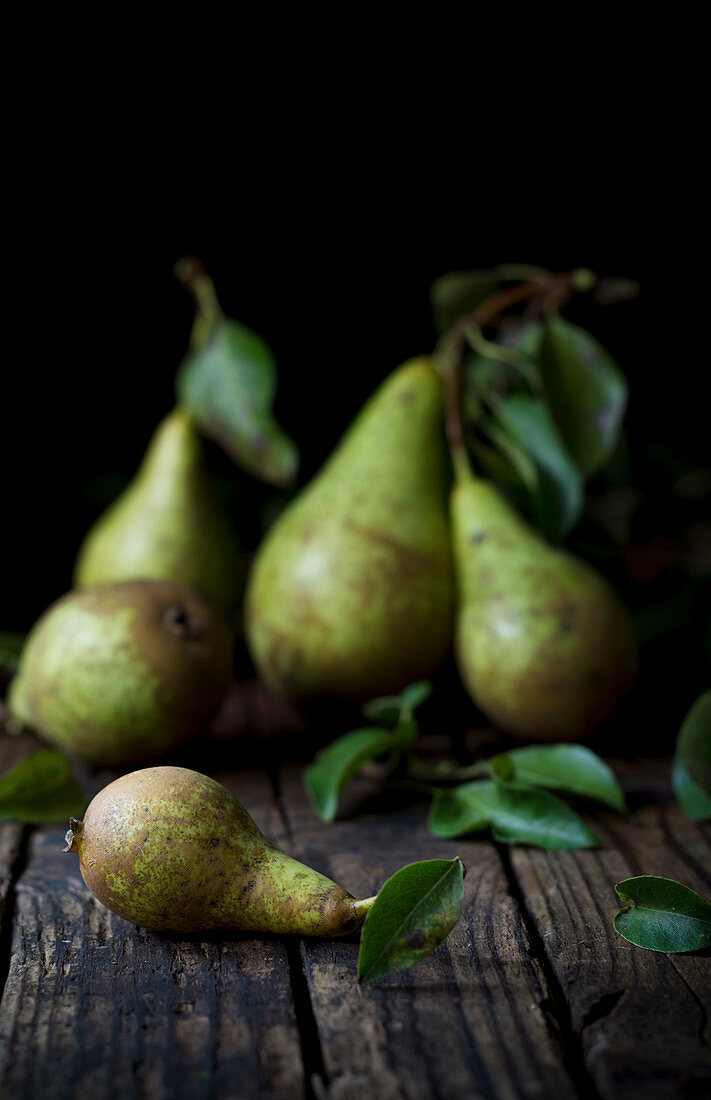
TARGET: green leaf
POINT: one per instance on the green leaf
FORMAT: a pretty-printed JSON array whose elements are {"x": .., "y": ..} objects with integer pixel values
[
  {"x": 663, "y": 915},
  {"x": 41, "y": 788},
  {"x": 414, "y": 911},
  {"x": 228, "y": 386},
  {"x": 388, "y": 709},
  {"x": 416, "y": 694},
  {"x": 691, "y": 772},
  {"x": 326, "y": 777},
  {"x": 566, "y": 767},
  {"x": 557, "y": 501},
  {"x": 586, "y": 390},
  {"x": 515, "y": 813}
]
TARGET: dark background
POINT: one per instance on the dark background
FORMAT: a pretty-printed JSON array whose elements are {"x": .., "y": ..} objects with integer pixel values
[{"x": 336, "y": 279}]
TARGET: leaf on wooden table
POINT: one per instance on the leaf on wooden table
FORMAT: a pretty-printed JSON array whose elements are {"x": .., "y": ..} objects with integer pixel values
[
  {"x": 691, "y": 771},
  {"x": 516, "y": 814},
  {"x": 572, "y": 768},
  {"x": 41, "y": 788},
  {"x": 663, "y": 915},
  {"x": 333, "y": 766},
  {"x": 414, "y": 911},
  {"x": 388, "y": 709}
]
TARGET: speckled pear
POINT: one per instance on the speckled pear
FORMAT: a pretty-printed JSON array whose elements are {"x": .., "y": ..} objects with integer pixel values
[
  {"x": 123, "y": 673},
  {"x": 544, "y": 646},
  {"x": 172, "y": 850},
  {"x": 167, "y": 525},
  {"x": 352, "y": 591}
]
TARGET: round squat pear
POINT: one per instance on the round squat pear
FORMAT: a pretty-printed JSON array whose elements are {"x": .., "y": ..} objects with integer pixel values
[
  {"x": 172, "y": 850},
  {"x": 124, "y": 673},
  {"x": 167, "y": 525},
  {"x": 352, "y": 591},
  {"x": 544, "y": 646}
]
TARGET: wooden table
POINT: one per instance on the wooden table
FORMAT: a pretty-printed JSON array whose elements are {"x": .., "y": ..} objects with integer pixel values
[{"x": 533, "y": 994}]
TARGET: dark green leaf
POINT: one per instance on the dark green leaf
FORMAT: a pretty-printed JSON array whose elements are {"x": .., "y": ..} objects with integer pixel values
[
  {"x": 515, "y": 813},
  {"x": 558, "y": 499},
  {"x": 586, "y": 390},
  {"x": 416, "y": 694},
  {"x": 385, "y": 710},
  {"x": 566, "y": 767},
  {"x": 691, "y": 774},
  {"x": 388, "y": 709},
  {"x": 41, "y": 788},
  {"x": 414, "y": 911},
  {"x": 228, "y": 386},
  {"x": 342, "y": 759},
  {"x": 663, "y": 915}
]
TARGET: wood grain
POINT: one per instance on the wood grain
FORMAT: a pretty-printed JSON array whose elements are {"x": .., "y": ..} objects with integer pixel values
[
  {"x": 94, "y": 1006},
  {"x": 472, "y": 1020},
  {"x": 641, "y": 1016}
]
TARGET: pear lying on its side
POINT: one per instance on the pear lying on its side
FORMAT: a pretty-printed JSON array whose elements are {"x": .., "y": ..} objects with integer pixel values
[
  {"x": 544, "y": 646},
  {"x": 167, "y": 525},
  {"x": 170, "y": 849},
  {"x": 123, "y": 673},
  {"x": 352, "y": 591}
]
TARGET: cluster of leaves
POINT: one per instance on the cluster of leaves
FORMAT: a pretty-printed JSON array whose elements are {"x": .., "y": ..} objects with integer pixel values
[
  {"x": 543, "y": 401},
  {"x": 510, "y": 794},
  {"x": 41, "y": 788}
]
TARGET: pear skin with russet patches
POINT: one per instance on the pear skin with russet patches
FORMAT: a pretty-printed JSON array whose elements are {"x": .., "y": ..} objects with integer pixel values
[{"x": 173, "y": 850}]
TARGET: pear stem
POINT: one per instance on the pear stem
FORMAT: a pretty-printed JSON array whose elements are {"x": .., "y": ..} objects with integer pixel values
[
  {"x": 191, "y": 273},
  {"x": 361, "y": 907}
]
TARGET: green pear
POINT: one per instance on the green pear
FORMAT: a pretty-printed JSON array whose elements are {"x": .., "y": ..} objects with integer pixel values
[
  {"x": 167, "y": 525},
  {"x": 123, "y": 673},
  {"x": 171, "y": 849},
  {"x": 544, "y": 646},
  {"x": 352, "y": 591}
]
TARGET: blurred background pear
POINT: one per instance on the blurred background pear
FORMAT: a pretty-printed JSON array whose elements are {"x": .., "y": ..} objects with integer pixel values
[
  {"x": 544, "y": 646},
  {"x": 352, "y": 593},
  {"x": 125, "y": 672},
  {"x": 168, "y": 524}
]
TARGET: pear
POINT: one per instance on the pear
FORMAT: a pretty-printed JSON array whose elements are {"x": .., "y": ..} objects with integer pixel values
[
  {"x": 544, "y": 646},
  {"x": 171, "y": 849},
  {"x": 167, "y": 525},
  {"x": 123, "y": 673},
  {"x": 352, "y": 593}
]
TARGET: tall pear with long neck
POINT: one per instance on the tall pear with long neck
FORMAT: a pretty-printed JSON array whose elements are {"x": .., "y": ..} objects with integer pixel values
[
  {"x": 167, "y": 525},
  {"x": 172, "y": 850},
  {"x": 543, "y": 644},
  {"x": 352, "y": 591}
]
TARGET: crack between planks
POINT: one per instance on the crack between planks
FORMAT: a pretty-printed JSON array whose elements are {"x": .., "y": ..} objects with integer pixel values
[
  {"x": 568, "y": 1040},
  {"x": 8, "y": 915},
  {"x": 315, "y": 1077},
  {"x": 701, "y": 1034}
]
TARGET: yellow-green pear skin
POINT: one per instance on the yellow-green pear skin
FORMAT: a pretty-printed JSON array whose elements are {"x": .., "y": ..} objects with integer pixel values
[
  {"x": 123, "y": 673},
  {"x": 168, "y": 524},
  {"x": 172, "y": 850},
  {"x": 352, "y": 592},
  {"x": 544, "y": 646}
]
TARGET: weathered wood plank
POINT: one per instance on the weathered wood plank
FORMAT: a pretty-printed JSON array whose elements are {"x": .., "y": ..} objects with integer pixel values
[
  {"x": 640, "y": 1015},
  {"x": 470, "y": 1021},
  {"x": 96, "y": 1007}
]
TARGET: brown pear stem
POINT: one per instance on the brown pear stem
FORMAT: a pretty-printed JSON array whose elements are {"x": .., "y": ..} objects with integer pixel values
[{"x": 190, "y": 271}]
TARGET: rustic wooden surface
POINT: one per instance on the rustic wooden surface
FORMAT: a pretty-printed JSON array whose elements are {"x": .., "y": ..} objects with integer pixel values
[{"x": 532, "y": 995}]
